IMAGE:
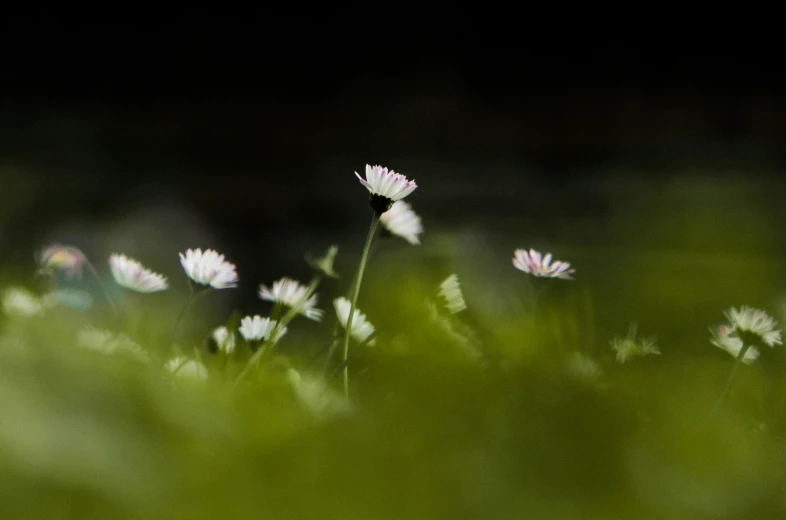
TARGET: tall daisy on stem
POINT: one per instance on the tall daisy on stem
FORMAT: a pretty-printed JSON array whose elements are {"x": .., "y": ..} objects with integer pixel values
[
  {"x": 206, "y": 270},
  {"x": 386, "y": 187},
  {"x": 748, "y": 331}
]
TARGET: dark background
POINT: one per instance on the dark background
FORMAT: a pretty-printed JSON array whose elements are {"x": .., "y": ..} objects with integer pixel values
[{"x": 243, "y": 133}]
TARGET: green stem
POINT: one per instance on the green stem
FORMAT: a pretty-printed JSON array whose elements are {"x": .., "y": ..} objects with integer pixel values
[
  {"x": 730, "y": 379},
  {"x": 191, "y": 299},
  {"x": 361, "y": 268},
  {"x": 109, "y": 299},
  {"x": 289, "y": 316}
]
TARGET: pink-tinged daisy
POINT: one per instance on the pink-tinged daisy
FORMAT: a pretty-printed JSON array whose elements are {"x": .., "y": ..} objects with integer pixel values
[
  {"x": 721, "y": 338},
  {"x": 385, "y": 186},
  {"x": 533, "y": 263},
  {"x": 68, "y": 259},
  {"x": 290, "y": 293},
  {"x": 223, "y": 340},
  {"x": 130, "y": 274},
  {"x": 209, "y": 269},
  {"x": 362, "y": 329},
  {"x": 753, "y": 327},
  {"x": 401, "y": 221},
  {"x": 259, "y": 328}
]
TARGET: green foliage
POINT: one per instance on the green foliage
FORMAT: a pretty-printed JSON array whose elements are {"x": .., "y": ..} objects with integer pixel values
[{"x": 514, "y": 408}]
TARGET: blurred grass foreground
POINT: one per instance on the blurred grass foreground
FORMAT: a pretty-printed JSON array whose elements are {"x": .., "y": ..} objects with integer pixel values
[{"x": 490, "y": 394}]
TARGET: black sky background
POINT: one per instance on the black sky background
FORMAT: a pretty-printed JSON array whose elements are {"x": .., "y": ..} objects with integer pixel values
[{"x": 256, "y": 124}]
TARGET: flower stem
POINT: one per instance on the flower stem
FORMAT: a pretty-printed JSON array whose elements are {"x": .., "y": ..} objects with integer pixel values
[
  {"x": 730, "y": 379},
  {"x": 103, "y": 288},
  {"x": 361, "y": 268},
  {"x": 191, "y": 299},
  {"x": 289, "y": 316}
]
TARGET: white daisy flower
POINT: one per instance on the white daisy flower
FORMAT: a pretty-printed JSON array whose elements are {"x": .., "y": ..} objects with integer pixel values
[
  {"x": 732, "y": 345},
  {"x": 109, "y": 343},
  {"x": 451, "y": 292},
  {"x": 753, "y": 326},
  {"x": 385, "y": 186},
  {"x": 361, "y": 328},
  {"x": 289, "y": 292},
  {"x": 533, "y": 263},
  {"x": 630, "y": 346},
  {"x": 18, "y": 301},
  {"x": 68, "y": 259},
  {"x": 224, "y": 340},
  {"x": 187, "y": 369},
  {"x": 401, "y": 221},
  {"x": 259, "y": 328},
  {"x": 209, "y": 269},
  {"x": 132, "y": 275}
]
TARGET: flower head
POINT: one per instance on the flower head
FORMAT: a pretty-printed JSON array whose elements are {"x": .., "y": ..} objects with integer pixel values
[
  {"x": 385, "y": 186},
  {"x": 132, "y": 275},
  {"x": 630, "y": 346},
  {"x": 18, "y": 301},
  {"x": 533, "y": 263},
  {"x": 401, "y": 221},
  {"x": 223, "y": 340},
  {"x": 110, "y": 343},
  {"x": 187, "y": 369},
  {"x": 451, "y": 292},
  {"x": 316, "y": 396},
  {"x": 732, "y": 345},
  {"x": 68, "y": 259},
  {"x": 290, "y": 293},
  {"x": 324, "y": 264},
  {"x": 753, "y": 327},
  {"x": 209, "y": 269},
  {"x": 584, "y": 367},
  {"x": 362, "y": 330},
  {"x": 259, "y": 328}
]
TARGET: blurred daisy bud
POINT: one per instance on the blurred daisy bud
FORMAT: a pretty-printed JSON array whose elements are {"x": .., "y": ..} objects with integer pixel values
[{"x": 324, "y": 264}]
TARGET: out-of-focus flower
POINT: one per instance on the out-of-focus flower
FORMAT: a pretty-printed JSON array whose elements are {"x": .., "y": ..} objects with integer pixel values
[
  {"x": 630, "y": 346},
  {"x": 362, "y": 329},
  {"x": 450, "y": 290},
  {"x": 385, "y": 186},
  {"x": 73, "y": 298},
  {"x": 401, "y": 221},
  {"x": 584, "y": 367},
  {"x": 534, "y": 263},
  {"x": 290, "y": 293},
  {"x": 18, "y": 301},
  {"x": 109, "y": 343},
  {"x": 68, "y": 259},
  {"x": 130, "y": 274},
  {"x": 259, "y": 328},
  {"x": 224, "y": 340},
  {"x": 316, "y": 396},
  {"x": 187, "y": 369},
  {"x": 721, "y": 339},
  {"x": 325, "y": 263},
  {"x": 209, "y": 269},
  {"x": 753, "y": 326}
]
